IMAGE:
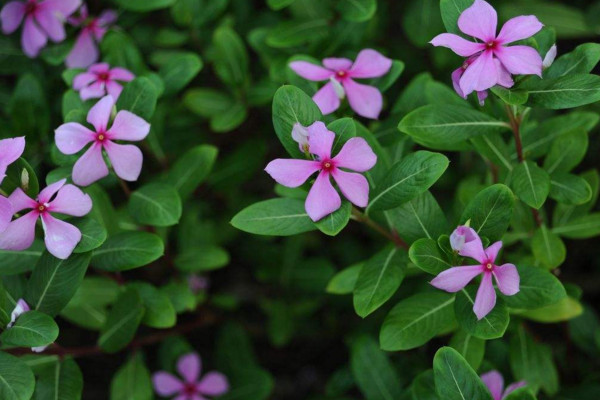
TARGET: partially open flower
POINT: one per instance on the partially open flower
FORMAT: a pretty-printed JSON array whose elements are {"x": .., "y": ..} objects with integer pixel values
[{"x": 495, "y": 383}]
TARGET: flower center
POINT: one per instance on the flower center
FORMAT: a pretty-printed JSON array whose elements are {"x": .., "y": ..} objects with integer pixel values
[
  {"x": 190, "y": 389},
  {"x": 103, "y": 76},
  {"x": 30, "y": 7},
  {"x": 491, "y": 45},
  {"x": 42, "y": 207},
  {"x": 489, "y": 266},
  {"x": 341, "y": 74},
  {"x": 327, "y": 165}
]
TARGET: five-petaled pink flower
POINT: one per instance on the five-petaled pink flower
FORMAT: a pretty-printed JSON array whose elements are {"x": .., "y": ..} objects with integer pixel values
[
  {"x": 495, "y": 383},
  {"x": 191, "y": 387},
  {"x": 323, "y": 199},
  {"x": 483, "y": 72},
  {"x": 43, "y": 19},
  {"x": 126, "y": 159},
  {"x": 100, "y": 80},
  {"x": 60, "y": 237},
  {"x": 456, "y": 278},
  {"x": 10, "y": 151},
  {"x": 85, "y": 51},
  {"x": 364, "y": 99}
]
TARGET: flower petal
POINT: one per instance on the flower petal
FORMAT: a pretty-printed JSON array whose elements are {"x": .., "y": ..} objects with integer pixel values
[
  {"x": 60, "y": 236},
  {"x": 322, "y": 199},
  {"x": 121, "y": 74},
  {"x": 19, "y": 201},
  {"x": 519, "y": 28},
  {"x": 90, "y": 167},
  {"x": 310, "y": 71},
  {"x": 189, "y": 366},
  {"x": 457, "y": 44},
  {"x": 83, "y": 79},
  {"x": 84, "y": 52},
  {"x": 290, "y": 172},
  {"x": 53, "y": 26},
  {"x": 213, "y": 384},
  {"x": 456, "y": 75},
  {"x": 114, "y": 89},
  {"x": 327, "y": 99},
  {"x": 320, "y": 140},
  {"x": 357, "y": 155},
  {"x": 485, "y": 300},
  {"x": 512, "y": 387},
  {"x": 64, "y": 7},
  {"x": 455, "y": 278},
  {"x": 370, "y": 64},
  {"x": 108, "y": 17},
  {"x": 480, "y": 21},
  {"x": 353, "y": 186},
  {"x": 504, "y": 77},
  {"x": 99, "y": 114},
  {"x": 364, "y": 99},
  {"x": 481, "y": 75},
  {"x": 494, "y": 382},
  {"x": 126, "y": 160},
  {"x": 5, "y": 213},
  {"x": 128, "y": 126},
  {"x": 11, "y": 149},
  {"x": 70, "y": 200},
  {"x": 520, "y": 60},
  {"x": 20, "y": 308},
  {"x": 11, "y": 16},
  {"x": 337, "y": 64},
  {"x": 508, "y": 279},
  {"x": 99, "y": 68},
  {"x": 93, "y": 91},
  {"x": 473, "y": 248},
  {"x": 166, "y": 384},
  {"x": 549, "y": 57},
  {"x": 72, "y": 137},
  {"x": 493, "y": 250},
  {"x": 20, "y": 233},
  {"x": 33, "y": 39}
]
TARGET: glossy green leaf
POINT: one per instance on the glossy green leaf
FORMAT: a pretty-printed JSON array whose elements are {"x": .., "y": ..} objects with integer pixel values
[
  {"x": 59, "y": 380},
  {"x": 32, "y": 329},
  {"x": 567, "y": 91},
  {"x": 132, "y": 381},
  {"x": 548, "y": 248},
  {"x": 537, "y": 288},
  {"x": 455, "y": 379},
  {"x": 492, "y": 326},
  {"x": 357, "y": 10},
  {"x": 128, "y": 250},
  {"x": 160, "y": 312},
  {"x": 582, "y": 60},
  {"x": 93, "y": 235},
  {"x": 335, "y": 222},
  {"x": 139, "y": 97},
  {"x": 191, "y": 169},
  {"x": 345, "y": 280},
  {"x": 490, "y": 212},
  {"x": 275, "y": 217},
  {"x": 426, "y": 255},
  {"x": 468, "y": 346},
  {"x": 569, "y": 189},
  {"x": 451, "y": 10},
  {"x": 231, "y": 57},
  {"x": 144, "y": 5},
  {"x": 531, "y": 184},
  {"x": 156, "y": 204},
  {"x": 179, "y": 70},
  {"x": 122, "y": 322},
  {"x": 16, "y": 379}
]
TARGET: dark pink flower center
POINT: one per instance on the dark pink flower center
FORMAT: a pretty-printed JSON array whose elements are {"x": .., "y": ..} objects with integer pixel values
[
  {"x": 103, "y": 76},
  {"x": 42, "y": 208},
  {"x": 327, "y": 165},
  {"x": 489, "y": 266},
  {"x": 31, "y": 7},
  {"x": 341, "y": 75},
  {"x": 190, "y": 389},
  {"x": 491, "y": 45},
  {"x": 101, "y": 137}
]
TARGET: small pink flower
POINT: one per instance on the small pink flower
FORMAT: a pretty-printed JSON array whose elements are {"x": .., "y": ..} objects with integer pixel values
[
  {"x": 461, "y": 235},
  {"x": 10, "y": 151},
  {"x": 456, "y": 278},
  {"x": 364, "y": 99},
  {"x": 323, "y": 199},
  {"x": 20, "y": 308},
  {"x": 480, "y": 21},
  {"x": 495, "y": 383},
  {"x": 43, "y": 20},
  {"x": 100, "y": 80},
  {"x": 85, "y": 52},
  {"x": 60, "y": 237},
  {"x": 191, "y": 387},
  {"x": 126, "y": 159}
]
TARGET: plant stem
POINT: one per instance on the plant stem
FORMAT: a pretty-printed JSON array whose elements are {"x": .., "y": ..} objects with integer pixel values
[
  {"x": 390, "y": 235},
  {"x": 125, "y": 188}
]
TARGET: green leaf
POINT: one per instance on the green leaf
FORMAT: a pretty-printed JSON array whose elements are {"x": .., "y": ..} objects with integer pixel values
[
  {"x": 344, "y": 129},
  {"x": 468, "y": 346},
  {"x": 181, "y": 296},
  {"x": 548, "y": 248},
  {"x": 538, "y": 288},
  {"x": 202, "y": 258},
  {"x": 425, "y": 254},
  {"x": 155, "y": 204},
  {"x": 582, "y": 60},
  {"x": 423, "y": 387},
  {"x": 566, "y": 152},
  {"x": 144, "y": 5},
  {"x": 451, "y": 10},
  {"x": 231, "y": 57},
  {"x": 513, "y": 97},
  {"x": 345, "y": 280},
  {"x": 378, "y": 280},
  {"x": 229, "y": 119},
  {"x": 407, "y": 179},
  {"x": 159, "y": 309},
  {"x": 192, "y": 168},
  {"x": 416, "y": 320},
  {"x": 570, "y": 189},
  {"x": 492, "y": 326},
  {"x": 565, "y": 310},
  {"x": 128, "y": 250},
  {"x": 564, "y": 92},
  {"x": 490, "y": 212},
  {"x": 455, "y": 379},
  {"x": 179, "y": 70},
  {"x": 122, "y": 322},
  {"x": 93, "y": 235},
  {"x": 531, "y": 184},
  {"x": 16, "y": 379},
  {"x": 386, "y": 81},
  {"x": 21, "y": 175},
  {"x": 132, "y": 381},
  {"x": 139, "y": 97},
  {"x": 32, "y": 329},
  {"x": 523, "y": 393},
  {"x": 335, "y": 222},
  {"x": 295, "y": 33},
  {"x": 207, "y": 102},
  {"x": 16, "y": 262},
  {"x": 275, "y": 217},
  {"x": 279, "y": 4},
  {"x": 564, "y": 213},
  {"x": 357, "y": 10},
  {"x": 580, "y": 228},
  {"x": 421, "y": 21},
  {"x": 59, "y": 380}
]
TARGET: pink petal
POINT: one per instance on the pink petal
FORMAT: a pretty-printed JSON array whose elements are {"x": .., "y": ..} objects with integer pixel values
[
  {"x": 49, "y": 191},
  {"x": 456, "y": 75},
  {"x": 320, "y": 140},
  {"x": 114, "y": 89},
  {"x": 126, "y": 160},
  {"x": 107, "y": 17},
  {"x": 512, "y": 387},
  {"x": 353, "y": 186},
  {"x": 337, "y": 64},
  {"x": 60, "y": 237},
  {"x": 213, "y": 384},
  {"x": 84, "y": 52},
  {"x": 494, "y": 382},
  {"x": 83, "y": 79},
  {"x": 310, "y": 71},
  {"x": 327, "y": 99},
  {"x": 455, "y": 278},
  {"x": 20, "y": 233},
  {"x": 370, "y": 64},
  {"x": 121, "y": 74},
  {"x": 51, "y": 24},
  {"x": 64, "y": 7},
  {"x": 11, "y": 149},
  {"x": 504, "y": 77},
  {"x": 474, "y": 248},
  {"x": 72, "y": 137},
  {"x": 457, "y": 44},
  {"x": 33, "y": 39},
  {"x": 493, "y": 250},
  {"x": 481, "y": 96},
  {"x": 508, "y": 279},
  {"x": 11, "y": 16},
  {"x": 99, "y": 114},
  {"x": 357, "y": 155},
  {"x": 19, "y": 201},
  {"x": 20, "y": 308},
  {"x": 166, "y": 384},
  {"x": 90, "y": 167},
  {"x": 99, "y": 68},
  {"x": 481, "y": 75},
  {"x": 364, "y": 99},
  {"x": 322, "y": 199},
  {"x": 189, "y": 366},
  {"x": 520, "y": 60},
  {"x": 128, "y": 126},
  {"x": 70, "y": 200},
  {"x": 485, "y": 300},
  {"x": 93, "y": 91},
  {"x": 480, "y": 21},
  {"x": 186, "y": 397},
  {"x": 292, "y": 173},
  {"x": 5, "y": 213},
  {"x": 519, "y": 28}
]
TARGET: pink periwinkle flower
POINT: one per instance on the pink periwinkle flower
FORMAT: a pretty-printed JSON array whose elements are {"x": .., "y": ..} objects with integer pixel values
[
  {"x": 100, "y": 80},
  {"x": 126, "y": 159},
  {"x": 456, "y": 278},
  {"x": 191, "y": 387},
  {"x": 10, "y": 151},
  {"x": 43, "y": 19},
  {"x": 461, "y": 235},
  {"x": 480, "y": 21},
  {"x": 495, "y": 383},
  {"x": 60, "y": 237},
  {"x": 323, "y": 199},
  {"x": 364, "y": 99},
  {"x": 85, "y": 51}
]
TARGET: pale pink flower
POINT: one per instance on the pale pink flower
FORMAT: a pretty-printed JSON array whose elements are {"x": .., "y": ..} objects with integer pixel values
[
  {"x": 495, "y": 383},
  {"x": 456, "y": 278},
  {"x": 364, "y": 99},
  {"x": 125, "y": 159},
  {"x": 191, "y": 387},
  {"x": 461, "y": 235},
  {"x": 85, "y": 51},
  {"x": 60, "y": 237},
  {"x": 550, "y": 57},
  {"x": 480, "y": 21},
  {"x": 43, "y": 19},
  {"x": 323, "y": 199},
  {"x": 100, "y": 80},
  {"x": 10, "y": 151},
  {"x": 20, "y": 308}
]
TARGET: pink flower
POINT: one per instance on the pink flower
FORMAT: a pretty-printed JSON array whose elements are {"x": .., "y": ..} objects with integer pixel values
[
  {"x": 43, "y": 20},
  {"x": 126, "y": 159},
  {"x": 456, "y": 278},
  {"x": 323, "y": 199},
  {"x": 100, "y": 80},
  {"x": 85, "y": 52},
  {"x": 480, "y": 21},
  {"x": 461, "y": 235},
  {"x": 504, "y": 79},
  {"x": 191, "y": 387},
  {"x": 10, "y": 151},
  {"x": 60, "y": 237},
  {"x": 495, "y": 383},
  {"x": 365, "y": 100}
]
